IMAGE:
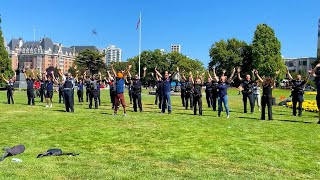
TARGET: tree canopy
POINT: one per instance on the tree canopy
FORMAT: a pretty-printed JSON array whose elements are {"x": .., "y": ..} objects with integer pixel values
[{"x": 90, "y": 60}]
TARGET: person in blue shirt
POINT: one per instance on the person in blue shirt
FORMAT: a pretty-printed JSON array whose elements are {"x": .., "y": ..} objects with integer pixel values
[
  {"x": 10, "y": 88},
  {"x": 119, "y": 86},
  {"x": 316, "y": 73},
  {"x": 49, "y": 81},
  {"x": 223, "y": 91},
  {"x": 166, "y": 90}
]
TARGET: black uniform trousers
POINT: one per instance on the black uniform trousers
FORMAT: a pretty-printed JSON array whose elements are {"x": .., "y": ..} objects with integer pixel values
[
  {"x": 30, "y": 94},
  {"x": 80, "y": 95},
  {"x": 10, "y": 96},
  {"x": 87, "y": 95},
  {"x": 93, "y": 95},
  {"x": 61, "y": 96},
  {"x": 297, "y": 98},
  {"x": 183, "y": 96},
  {"x": 68, "y": 99},
  {"x": 197, "y": 100},
  {"x": 130, "y": 95},
  {"x": 112, "y": 97},
  {"x": 159, "y": 97},
  {"x": 189, "y": 97},
  {"x": 99, "y": 100},
  {"x": 247, "y": 96},
  {"x": 209, "y": 98},
  {"x": 266, "y": 101},
  {"x": 42, "y": 93},
  {"x": 214, "y": 97},
  {"x": 136, "y": 97}
]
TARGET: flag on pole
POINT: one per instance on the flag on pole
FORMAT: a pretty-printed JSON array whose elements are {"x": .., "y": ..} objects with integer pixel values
[{"x": 138, "y": 24}]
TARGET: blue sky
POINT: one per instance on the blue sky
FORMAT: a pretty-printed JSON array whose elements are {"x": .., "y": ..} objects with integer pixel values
[{"x": 196, "y": 25}]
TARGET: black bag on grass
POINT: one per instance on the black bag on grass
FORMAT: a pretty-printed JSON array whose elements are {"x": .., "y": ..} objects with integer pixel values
[
  {"x": 55, "y": 152},
  {"x": 12, "y": 151}
]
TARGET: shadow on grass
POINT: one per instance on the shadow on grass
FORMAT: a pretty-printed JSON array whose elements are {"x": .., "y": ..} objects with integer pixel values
[
  {"x": 249, "y": 118},
  {"x": 304, "y": 122},
  {"x": 59, "y": 110}
]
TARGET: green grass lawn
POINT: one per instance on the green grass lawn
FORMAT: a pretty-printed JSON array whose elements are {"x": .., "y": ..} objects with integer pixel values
[{"x": 151, "y": 145}]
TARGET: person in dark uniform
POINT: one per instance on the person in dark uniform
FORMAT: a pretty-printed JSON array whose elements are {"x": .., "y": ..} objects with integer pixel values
[
  {"x": 197, "y": 96},
  {"x": 316, "y": 73},
  {"x": 129, "y": 83},
  {"x": 60, "y": 86},
  {"x": 42, "y": 86},
  {"x": 297, "y": 93},
  {"x": 99, "y": 81},
  {"x": 182, "y": 90},
  {"x": 80, "y": 91},
  {"x": 208, "y": 91},
  {"x": 30, "y": 87},
  {"x": 93, "y": 92},
  {"x": 68, "y": 91},
  {"x": 247, "y": 91},
  {"x": 10, "y": 88},
  {"x": 222, "y": 87},
  {"x": 214, "y": 93},
  {"x": 112, "y": 88},
  {"x": 159, "y": 91},
  {"x": 266, "y": 99},
  {"x": 136, "y": 91},
  {"x": 49, "y": 89},
  {"x": 189, "y": 86}
]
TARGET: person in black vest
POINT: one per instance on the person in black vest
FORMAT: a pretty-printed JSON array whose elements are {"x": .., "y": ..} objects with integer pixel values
[
  {"x": 247, "y": 91},
  {"x": 10, "y": 88},
  {"x": 182, "y": 89},
  {"x": 68, "y": 88},
  {"x": 49, "y": 81},
  {"x": 208, "y": 91},
  {"x": 297, "y": 93},
  {"x": 136, "y": 90},
  {"x": 316, "y": 74},
  {"x": 197, "y": 96},
  {"x": 189, "y": 86},
  {"x": 99, "y": 81},
  {"x": 93, "y": 92},
  {"x": 112, "y": 87},
  {"x": 60, "y": 89},
  {"x": 80, "y": 87},
  {"x": 129, "y": 83},
  {"x": 214, "y": 92},
  {"x": 42, "y": 86},
  {"x": 159, "y": 91},
  {"x": 266, "y": 100},
  {"x": 30, "y": 87}
]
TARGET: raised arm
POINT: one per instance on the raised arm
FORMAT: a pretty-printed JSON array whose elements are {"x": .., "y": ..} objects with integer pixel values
[
  {"x": 238, "y": 71},
  {"x": 232, "y": 74},
  {"x": 25, "y": 74},
  {"x": 144, "y": 72},
  {"x": 289, "y": 75},
  {"x": 209, "y": 75},
  {"x": 113, "y": 71},
  {"x": 59, "y": 71},
  {"x": 54, "y": 78},
  {"x": 257, "y": 74},
  {"x": 214, "y": 74},
  {"x": 4, "y": 79},
  {"x": 253, "y": 76},
  {"x": 100, "y": 77},
  {"x": 223, "y": 72},
  {"x": 157, "y": 72},
  {"x": 314, "y": 70}
]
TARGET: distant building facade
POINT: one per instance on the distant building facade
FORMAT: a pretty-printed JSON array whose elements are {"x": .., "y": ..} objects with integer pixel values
[
  {"x": 113, "y": 54},
  {"x": 299, "y": 65},
  {"x": 42, "y": 54},
  {"x": 176, "y": 48}
]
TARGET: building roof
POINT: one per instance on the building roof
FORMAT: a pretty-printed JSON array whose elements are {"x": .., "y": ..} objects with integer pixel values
[
  {"x": 81, "y": 48},
  {"x": 13, "y": 44},
  {"x": 46, "y": 43}
]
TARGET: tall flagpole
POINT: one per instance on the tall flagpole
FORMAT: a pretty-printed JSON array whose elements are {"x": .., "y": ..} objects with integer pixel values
[{"x": 140, "y": 43}]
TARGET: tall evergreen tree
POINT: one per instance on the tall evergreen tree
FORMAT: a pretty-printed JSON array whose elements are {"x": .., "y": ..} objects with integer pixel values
[
  {"x": 266, "y": 52},
  {"x": 5, "y": 61}
]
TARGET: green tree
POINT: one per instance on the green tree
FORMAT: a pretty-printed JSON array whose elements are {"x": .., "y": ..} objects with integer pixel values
[
  {"x": 165, "y": 62},
  {"x": 266, "y": 52},
  {"x": 226, "y": 55},
  {"x": 5, "y": 61},
  {"x": 90, "y": 60}
]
